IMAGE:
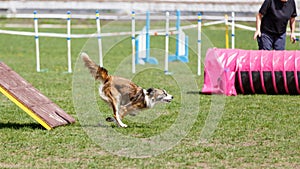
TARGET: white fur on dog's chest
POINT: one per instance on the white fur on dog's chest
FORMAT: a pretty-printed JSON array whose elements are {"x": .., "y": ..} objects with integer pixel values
[{"x": 102, "y": 94}]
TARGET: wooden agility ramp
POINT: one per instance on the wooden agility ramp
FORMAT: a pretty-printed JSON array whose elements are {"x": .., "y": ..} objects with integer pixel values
[{"x": 29, "y": 99}]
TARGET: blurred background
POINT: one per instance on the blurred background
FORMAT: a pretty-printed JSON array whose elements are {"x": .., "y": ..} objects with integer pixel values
[{"x": 121, "y": 7}]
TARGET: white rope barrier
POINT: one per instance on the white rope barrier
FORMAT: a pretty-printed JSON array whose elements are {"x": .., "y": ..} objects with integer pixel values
[
  {"x": 152, "y": 32},
  {"x": 243, "y": 27},
  {"x": 214, "y": 23},
  {"x": 62, "y": 35}
]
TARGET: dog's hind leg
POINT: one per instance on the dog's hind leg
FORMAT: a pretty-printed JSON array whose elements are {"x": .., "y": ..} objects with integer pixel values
[{"x": 116, "y": 113}]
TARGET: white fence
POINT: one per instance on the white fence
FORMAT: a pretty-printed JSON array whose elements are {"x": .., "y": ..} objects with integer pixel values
[{"x": 69, "y": 35}]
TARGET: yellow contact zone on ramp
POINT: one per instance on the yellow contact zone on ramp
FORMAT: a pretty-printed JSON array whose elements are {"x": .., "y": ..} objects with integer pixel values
[{"x": 24, "y": 108}]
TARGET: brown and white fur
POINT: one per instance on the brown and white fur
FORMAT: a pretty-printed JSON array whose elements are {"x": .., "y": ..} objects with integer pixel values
[{"x": 124, "y": 96}]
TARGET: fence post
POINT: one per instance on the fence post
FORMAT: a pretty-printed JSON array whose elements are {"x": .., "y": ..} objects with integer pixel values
[
  {"x": 37, "y": 48},
  {"x": 133, "y": 40},
  {"x": 226, "y": 32},
  {"x": 199, "y": 43},
  {"x": 99, "y": 38},
  {"x": 232, "y": 30},
  {"x": 69, "y": 41},
  {"x": 167, "y": 43}
]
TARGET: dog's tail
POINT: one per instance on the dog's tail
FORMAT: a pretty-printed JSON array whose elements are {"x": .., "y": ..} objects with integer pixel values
[{"x": 99, "y": 73}]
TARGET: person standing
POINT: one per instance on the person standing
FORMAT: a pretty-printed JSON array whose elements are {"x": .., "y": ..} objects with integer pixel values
[{"x": 271, "y": 24}]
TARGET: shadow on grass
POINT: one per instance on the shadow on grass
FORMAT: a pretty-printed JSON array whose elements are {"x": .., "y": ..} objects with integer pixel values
[
  {"x": 21, "y": 126},
  {"x": 113, "y": 125},
  {"x": 194, "y": 92},
  {"x": 99, "y": 125}
]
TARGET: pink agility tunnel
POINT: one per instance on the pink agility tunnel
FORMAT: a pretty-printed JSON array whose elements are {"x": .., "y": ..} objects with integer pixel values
[{"x": 232, "y": 71}]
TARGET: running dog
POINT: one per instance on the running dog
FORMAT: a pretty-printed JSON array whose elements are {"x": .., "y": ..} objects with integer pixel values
[{"x": 124, "y": 96}]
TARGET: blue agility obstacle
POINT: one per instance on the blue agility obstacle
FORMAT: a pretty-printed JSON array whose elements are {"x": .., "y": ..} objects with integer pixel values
[
  {"x": 181, "y": 53},
  {"x": 142, "y": 43}
]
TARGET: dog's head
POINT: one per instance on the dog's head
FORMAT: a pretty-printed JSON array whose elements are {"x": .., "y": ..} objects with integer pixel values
[{"x": 154, "y": 96}]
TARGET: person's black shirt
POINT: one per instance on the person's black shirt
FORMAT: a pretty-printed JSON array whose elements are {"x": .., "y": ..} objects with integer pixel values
[{"x": 276, "y": 15}]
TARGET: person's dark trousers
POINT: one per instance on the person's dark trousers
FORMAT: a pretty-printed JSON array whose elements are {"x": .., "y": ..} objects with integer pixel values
[{"x": 270, "y": 42}]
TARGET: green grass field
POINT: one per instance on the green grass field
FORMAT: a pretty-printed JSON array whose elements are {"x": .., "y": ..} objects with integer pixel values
[{"x": 248, "y": 131}]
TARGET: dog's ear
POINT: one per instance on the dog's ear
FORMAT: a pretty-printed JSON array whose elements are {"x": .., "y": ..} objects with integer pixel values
[{"x": 149, "y": 91}]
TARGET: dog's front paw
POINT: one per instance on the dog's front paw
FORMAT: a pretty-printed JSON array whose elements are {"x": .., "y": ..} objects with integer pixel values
[{"x": 120, "y": 124}]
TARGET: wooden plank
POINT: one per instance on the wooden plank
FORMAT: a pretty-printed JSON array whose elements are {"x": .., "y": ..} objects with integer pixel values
[
  {"x": 29, "y": 96},
  {"x": 29, "y": 99},
  {"x": 54, "y": 115},
  {"x": 24, "y": 108},
  {"x": 10, "y": 83}
]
